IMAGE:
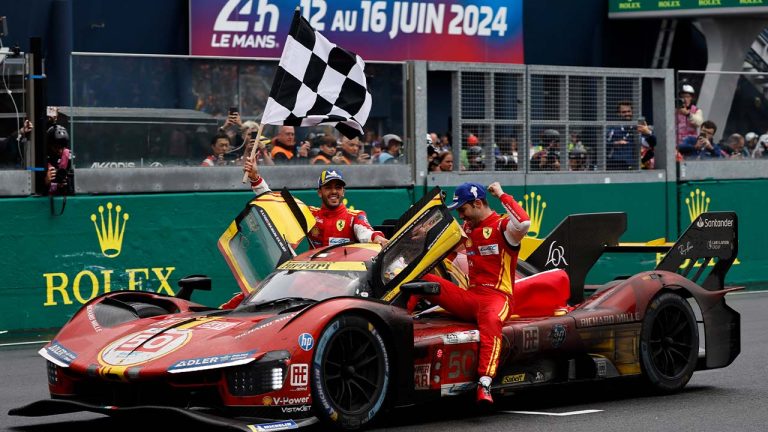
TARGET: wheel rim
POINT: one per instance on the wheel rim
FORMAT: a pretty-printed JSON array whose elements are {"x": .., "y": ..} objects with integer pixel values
[
  {"x": 670, "y": 342},
  {"x": 352, "y": 371}
]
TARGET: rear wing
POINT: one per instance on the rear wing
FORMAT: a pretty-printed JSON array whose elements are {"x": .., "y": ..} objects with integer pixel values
[
  {"x": 711, "y": 237},
  {"x": 580, "y": 240},
  {"x": 576, "y": 244}
]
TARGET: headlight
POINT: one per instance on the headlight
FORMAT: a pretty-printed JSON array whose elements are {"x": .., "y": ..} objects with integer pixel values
[{"x": 262, "y": 376}]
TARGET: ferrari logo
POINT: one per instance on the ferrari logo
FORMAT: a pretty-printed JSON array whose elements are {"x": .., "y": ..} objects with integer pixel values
[
  {"x": 487, "y": 232},
  {"x": 468, "y": 242},
  {"x": 339, "y": 225},
  {"x": 315, "y": 231}
]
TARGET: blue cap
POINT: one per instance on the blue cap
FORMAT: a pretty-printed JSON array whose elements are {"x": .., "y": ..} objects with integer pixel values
[
  {"x": 329, "y": 175},
  {"x": 467, "y": 192}
]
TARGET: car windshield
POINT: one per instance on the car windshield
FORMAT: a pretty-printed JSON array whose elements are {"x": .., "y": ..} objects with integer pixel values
[{"x": 309, "y": 284}]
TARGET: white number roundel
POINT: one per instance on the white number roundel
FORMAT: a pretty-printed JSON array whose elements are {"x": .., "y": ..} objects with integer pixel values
[{"x": 143, "y": 346}]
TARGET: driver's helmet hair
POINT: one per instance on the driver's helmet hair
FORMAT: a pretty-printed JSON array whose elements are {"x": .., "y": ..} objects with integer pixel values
[{"x": 394, "y": 268}]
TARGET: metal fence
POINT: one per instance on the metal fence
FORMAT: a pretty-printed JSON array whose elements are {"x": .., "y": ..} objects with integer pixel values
[
  {"x": 509, "y": 119},
  {"x": 539, "y": 118}
]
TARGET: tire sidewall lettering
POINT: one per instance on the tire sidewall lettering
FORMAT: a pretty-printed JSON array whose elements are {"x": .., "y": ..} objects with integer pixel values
[{"x": 326, "y": 405}]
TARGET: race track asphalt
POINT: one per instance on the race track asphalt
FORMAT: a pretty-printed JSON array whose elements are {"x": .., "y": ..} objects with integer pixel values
[{"x": 729, "y": 399}]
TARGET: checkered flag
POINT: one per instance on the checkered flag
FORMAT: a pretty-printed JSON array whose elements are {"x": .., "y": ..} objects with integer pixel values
[{"x": 316, "y": 83}]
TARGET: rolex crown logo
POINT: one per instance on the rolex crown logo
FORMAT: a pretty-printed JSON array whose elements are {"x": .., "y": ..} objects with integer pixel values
[
  {"x": 534, "y": 206},
  {"x": 697, "y": 203},
  {"x": 110, "y": 232}
]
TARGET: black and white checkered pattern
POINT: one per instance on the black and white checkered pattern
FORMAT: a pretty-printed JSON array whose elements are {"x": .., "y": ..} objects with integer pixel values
[{"x": 318, "y": 82}]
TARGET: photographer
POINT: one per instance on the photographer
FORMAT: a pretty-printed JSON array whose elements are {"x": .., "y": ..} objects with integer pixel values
[
  {"x": 59, "y": 176},
  {"x": 547, "y": 159},
  {"x": 688, "y": 117},
  {"x": 701, "y": 146},
  {"x": 628, "y": 142}
]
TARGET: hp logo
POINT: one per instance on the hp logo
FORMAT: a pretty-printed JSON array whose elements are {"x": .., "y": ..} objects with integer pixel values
[{"x": 306, "y": 341}]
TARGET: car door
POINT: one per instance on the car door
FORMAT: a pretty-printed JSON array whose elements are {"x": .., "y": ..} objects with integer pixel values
[
  {"x": 269, "y": 231},
  {"x": 425, "y": 234}
]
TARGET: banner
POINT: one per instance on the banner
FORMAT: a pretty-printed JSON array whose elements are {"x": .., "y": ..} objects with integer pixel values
[
  {"x": 684, "y": 8},
  {"x": 439, "y": 30}
]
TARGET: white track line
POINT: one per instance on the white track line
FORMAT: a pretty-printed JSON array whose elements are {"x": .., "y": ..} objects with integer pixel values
[
  {"x": 24, "y": 343},
  {"x": 553, "y": 414}
]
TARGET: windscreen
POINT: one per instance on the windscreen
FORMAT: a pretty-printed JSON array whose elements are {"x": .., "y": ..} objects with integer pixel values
[{"x": 311, "y": 284}]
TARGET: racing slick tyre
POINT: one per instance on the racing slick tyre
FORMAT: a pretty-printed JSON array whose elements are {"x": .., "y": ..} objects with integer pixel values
[
  {"x": 350, "y": 373},
  {"x": 669, "y": 343}
]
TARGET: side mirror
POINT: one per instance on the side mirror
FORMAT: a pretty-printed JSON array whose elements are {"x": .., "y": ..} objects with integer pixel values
[
  {"x": 191, "y": 283},
  {"x": 420, "y": 288}
]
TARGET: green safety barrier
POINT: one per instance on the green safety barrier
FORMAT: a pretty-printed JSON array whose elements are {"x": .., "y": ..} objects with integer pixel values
[{"x": 54, "y": 265}]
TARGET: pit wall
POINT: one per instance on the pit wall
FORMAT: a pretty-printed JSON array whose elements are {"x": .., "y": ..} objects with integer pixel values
[{"x": 53, "y": 265}]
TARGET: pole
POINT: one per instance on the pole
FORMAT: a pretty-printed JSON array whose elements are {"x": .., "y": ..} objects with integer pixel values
[{"x": 253, "y": 149}]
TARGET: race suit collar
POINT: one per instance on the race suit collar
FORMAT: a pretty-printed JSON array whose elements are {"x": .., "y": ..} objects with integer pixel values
[{"x": 340, "y": 209}]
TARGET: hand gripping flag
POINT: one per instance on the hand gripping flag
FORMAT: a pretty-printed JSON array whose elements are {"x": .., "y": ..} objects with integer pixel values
[{"x": 316, "y": 83}]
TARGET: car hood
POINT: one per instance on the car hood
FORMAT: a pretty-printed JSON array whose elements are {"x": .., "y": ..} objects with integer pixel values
[{"x": 172, "y": 344}]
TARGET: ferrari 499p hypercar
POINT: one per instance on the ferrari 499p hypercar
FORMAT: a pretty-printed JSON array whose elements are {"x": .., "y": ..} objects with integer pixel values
[{"x": 324, "y": 334}]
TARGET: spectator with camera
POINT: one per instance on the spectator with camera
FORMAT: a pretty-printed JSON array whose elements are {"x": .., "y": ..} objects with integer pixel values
[
  {"x": 548, "y": 158},
  {"x": 735, "y": 147},
  {"x": 220, "y": 144},
  {"x": 250, "y": 136},
  {"x": 284, "y": 148},
  {"x": 59, "y": 176},
  {"x": 622, "y": 141},
  {"x": 350, "y": 153},
  {"x": 688, "y": 117},
  {"x": 703, "y": 145}
]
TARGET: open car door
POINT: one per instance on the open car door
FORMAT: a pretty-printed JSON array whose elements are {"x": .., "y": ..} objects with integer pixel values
[
  {"x": 424, "y": 235},
  {"x": 269, "y": 231}
]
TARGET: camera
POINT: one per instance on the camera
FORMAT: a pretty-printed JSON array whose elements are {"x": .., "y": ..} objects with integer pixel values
[
  {"x": 679, "y": 103},
  {"x": 232, "y": 110},
  {"x": 254, "y": 134}
]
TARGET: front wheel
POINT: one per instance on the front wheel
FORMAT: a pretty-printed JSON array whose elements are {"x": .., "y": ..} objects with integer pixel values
[
  {"x": 350, "y": 373},
  {"x": 669, "y": 343}
]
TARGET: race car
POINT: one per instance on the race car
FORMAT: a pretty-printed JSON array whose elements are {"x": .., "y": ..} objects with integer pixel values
[{"x": 324, "y": 334}]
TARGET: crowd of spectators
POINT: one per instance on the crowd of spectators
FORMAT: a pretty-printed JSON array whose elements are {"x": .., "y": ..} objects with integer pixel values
[
  {"x": 695, "y": 137},
  {"x": 320, "y": 146}
]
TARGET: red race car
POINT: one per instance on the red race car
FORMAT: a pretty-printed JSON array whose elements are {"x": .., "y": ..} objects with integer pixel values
[{"x": 324, "y": 334}]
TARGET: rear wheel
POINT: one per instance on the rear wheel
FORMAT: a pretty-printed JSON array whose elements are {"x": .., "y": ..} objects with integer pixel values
[
  {"x": 669, "y": 343},
  {"x": 350, "y": 374}
]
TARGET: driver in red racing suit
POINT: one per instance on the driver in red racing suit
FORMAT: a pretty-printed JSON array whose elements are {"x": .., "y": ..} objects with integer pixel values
[
  {"x": 334, "y": 222},
  {"x": 492, "y": 245}
]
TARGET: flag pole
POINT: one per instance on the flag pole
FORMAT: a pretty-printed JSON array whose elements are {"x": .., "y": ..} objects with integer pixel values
[{"x": 253, "y": 149}]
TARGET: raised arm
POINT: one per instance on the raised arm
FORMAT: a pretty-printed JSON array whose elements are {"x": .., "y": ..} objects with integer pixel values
[
  {"x": 258, "y": 184},
  {"x": 518, "y": 222}
]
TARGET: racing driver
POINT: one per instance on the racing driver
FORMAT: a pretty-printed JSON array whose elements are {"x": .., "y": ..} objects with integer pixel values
[
  {"x": 491, "y": 245},
  {"x": 334, "y": 222}
]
